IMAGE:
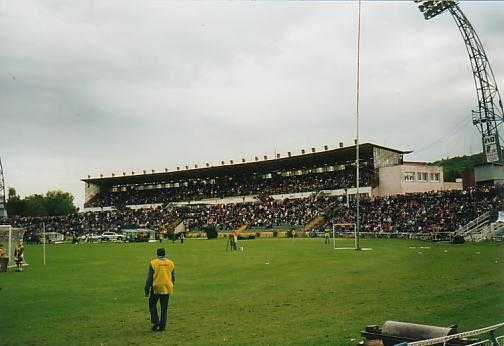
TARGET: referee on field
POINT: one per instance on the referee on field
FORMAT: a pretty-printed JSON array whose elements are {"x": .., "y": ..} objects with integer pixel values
[{"x": 159, "y": 284}]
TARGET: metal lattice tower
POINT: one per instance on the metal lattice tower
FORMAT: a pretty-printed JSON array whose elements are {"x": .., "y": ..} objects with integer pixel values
[
  {"x": 3, "y": 204},
  {"x": 489, "y": 113}
]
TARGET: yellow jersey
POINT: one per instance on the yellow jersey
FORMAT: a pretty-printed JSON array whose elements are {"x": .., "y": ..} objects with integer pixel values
[{"x": 162, "y": 278}]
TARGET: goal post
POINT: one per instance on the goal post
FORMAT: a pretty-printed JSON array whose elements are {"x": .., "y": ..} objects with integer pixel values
[
  {"x": 346, "y": 227},
  {"x": 9, "y": 236}
]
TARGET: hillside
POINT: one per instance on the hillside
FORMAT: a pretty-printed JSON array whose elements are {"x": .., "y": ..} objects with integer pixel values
[{"x": 453, "y": 168}]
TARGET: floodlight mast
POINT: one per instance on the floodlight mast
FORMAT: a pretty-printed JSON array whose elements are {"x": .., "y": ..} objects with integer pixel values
[
  {"x": 3, "y": 204},
  {"x": 489, "y": 114}
]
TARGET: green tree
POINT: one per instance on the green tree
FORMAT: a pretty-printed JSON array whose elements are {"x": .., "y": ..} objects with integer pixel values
[
  {"x": 12, "y": 192},
  {"x": 35, "y": 205},
  {"x": 54, "y": 203},
  {"x": 59, "y": 203},
  {"x": 454, "y": 168},
  {"x": 15, "y": 205}
]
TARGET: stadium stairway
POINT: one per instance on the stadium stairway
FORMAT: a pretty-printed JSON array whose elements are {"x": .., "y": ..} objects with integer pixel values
[
  {"x": 481, "y": 228},
  {"x": 169, "y": 228},
  {"x": 242, "y": 228},
  {"x": 314, "y": 223},
  {"x": 493, "y": 231}
]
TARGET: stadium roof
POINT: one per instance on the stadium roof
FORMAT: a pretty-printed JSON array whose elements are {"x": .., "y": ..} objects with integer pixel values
[{"x": 294, "y": 162}]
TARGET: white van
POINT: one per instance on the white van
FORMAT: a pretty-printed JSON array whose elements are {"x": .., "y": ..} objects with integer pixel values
[{"x": 52, "y": 237}]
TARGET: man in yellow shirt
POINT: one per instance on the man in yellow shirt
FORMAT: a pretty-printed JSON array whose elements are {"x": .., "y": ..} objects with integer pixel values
[{"x": 159, "y": 284}]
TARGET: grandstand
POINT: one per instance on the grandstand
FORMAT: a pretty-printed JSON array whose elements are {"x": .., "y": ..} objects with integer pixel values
[
  {"x": 308, "y": 192},
  {"x": 383, "y": 172}
]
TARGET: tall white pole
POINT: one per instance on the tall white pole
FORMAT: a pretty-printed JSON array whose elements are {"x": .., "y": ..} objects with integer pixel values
[
  {"x": 357, "y": 159},
  {"x": 43, "y": 225}
]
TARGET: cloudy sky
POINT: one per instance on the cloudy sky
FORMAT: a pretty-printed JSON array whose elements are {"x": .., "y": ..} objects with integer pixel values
[{"x": 94, "y": 87}]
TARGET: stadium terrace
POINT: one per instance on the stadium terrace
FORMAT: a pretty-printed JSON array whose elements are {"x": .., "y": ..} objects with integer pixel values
[{"x": 383, "y": 172}]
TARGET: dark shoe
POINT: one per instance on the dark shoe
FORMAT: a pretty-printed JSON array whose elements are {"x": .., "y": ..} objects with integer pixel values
[
  {"x": 161, "y": 329},
  {"x": 155, "y": 327}
]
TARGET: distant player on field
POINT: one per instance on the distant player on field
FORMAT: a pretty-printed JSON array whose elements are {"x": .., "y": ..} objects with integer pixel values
[
  {"x": 19, "y": 256},
  {"x": 159, "y": 284},
  {"x": 235, "y": 240}
]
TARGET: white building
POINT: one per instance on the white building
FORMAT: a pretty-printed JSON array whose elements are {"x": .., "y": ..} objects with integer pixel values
[{"x": 411, "y": 177}]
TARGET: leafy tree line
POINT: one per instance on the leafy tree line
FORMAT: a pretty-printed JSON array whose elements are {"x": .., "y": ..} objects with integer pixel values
[
  {"x": 54, "y": 203},
  {"x": 454, "y": 168}
]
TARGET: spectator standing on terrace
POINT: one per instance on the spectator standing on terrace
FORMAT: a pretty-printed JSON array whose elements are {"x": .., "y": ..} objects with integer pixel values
[{"x": 159, "y": 286}]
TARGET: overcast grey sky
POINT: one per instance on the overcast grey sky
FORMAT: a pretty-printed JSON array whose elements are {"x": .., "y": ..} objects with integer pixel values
[{"x": 94, "y": 87}]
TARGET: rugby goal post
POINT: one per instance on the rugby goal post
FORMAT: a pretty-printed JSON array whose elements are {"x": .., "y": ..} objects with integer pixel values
[
  {"x": 347, "y": 228},
  {"x": 9, "y": 236}
]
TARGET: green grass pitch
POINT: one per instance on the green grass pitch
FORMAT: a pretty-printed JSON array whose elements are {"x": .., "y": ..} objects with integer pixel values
[{"x": 307, "y": 294}]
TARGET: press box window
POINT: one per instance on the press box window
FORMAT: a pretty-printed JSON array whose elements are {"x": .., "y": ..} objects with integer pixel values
[{"x": 409, "y": 176}]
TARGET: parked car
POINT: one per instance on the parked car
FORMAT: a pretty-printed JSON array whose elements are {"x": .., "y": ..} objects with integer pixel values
[
  {"x": 90, "y": 238},
  {"x": 111, "y": 236}
]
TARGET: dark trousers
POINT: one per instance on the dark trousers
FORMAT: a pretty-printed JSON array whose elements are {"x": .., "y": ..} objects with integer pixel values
[{"x": 163, "y": 299}]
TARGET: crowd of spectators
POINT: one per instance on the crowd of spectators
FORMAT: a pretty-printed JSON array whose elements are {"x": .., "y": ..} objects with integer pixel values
[
  {"x": 420, "y": 213},
  {"x": 270, "y": 213},
  {"x": 233, "y": 186},
  {"x": 413, "y": 213}
]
